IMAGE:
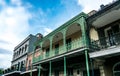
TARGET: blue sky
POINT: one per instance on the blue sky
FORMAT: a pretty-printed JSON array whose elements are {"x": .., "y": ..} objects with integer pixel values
[{"x": 19, "y": 18}]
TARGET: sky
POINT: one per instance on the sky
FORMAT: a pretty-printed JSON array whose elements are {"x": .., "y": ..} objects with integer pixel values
[{"x": 19, "y": 18}]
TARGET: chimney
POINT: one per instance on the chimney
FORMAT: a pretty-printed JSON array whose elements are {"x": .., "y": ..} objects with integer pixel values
[
  {"x": 92, "y": 12},
  {"x": 102, "y": 6},
  {"x": 39, "y": 36}
]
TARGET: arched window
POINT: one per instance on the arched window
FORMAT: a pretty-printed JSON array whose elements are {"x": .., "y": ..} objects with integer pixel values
[
  {"x": 26, "y": 47},
  {"x": 22, "y": 49},
  {"x": 37, "y": 47},
  {"x": 19, "y": 51},
  {"x": 116, "y": 69}
]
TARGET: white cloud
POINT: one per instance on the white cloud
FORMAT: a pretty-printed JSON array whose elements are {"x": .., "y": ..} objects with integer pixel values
[
  {"x": 89, "y": 5},
  {"x": 16, "y": 2},
  {"x": 5, "y": 60},
  {"x": 14, "y": 24},
  {"x": 2, "y": 2},
  {"x": 47, "y": 31}
]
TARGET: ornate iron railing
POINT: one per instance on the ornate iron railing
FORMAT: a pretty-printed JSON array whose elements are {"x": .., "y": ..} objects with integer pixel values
[
  {"x": 62, "y": 49},
  {"x": 105, "y": 42}
]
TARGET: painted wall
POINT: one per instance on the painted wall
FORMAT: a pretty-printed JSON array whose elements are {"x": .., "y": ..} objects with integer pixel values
[
  {"x": 93, "y": 34},
  {"x": 29, "y": 61}
]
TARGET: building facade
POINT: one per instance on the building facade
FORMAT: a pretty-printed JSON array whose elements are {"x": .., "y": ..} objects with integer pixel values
[
  {"x": 22, "y": 60},
  {"x": 64, "y": 52},
  {"x": 105, "y": 39},
  {"x": 86, "y": 45}
]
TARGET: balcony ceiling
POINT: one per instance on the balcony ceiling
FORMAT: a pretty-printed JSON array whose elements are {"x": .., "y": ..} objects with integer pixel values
[
  {"x": 72, "y": 29},
  {"x": 107, "y": 18}
]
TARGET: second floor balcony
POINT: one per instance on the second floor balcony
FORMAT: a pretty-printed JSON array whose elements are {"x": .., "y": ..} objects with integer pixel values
[
  {"x": 106, "y": 42},
  {"x": 73, "y": 45},
  {"x": 106, "y": 46},
  {"x": 67, "y": 38}
]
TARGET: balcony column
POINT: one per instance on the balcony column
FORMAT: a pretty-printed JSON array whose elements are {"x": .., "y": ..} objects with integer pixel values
[
  {"x": 39, "y": 70},
  {"x": 87, "y": 62},
  {"x": 83, "y": 24},
  {"x": 102, "y": 70},
  {"x": 64, "y": 39},
  {"x": 64, "y": 66},
  {"x": 50, "y": 45},
  {"x": 50, "y": 74}
]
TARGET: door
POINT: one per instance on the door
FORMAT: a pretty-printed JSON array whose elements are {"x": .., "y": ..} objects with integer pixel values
[
  {"x": 70, "y": 71},
  {"x": 116, "y": 32},
  {"x": 111, "y": 38},
  {"x": 56, "y": 73},
  {"x": 45, "y": 73},
  {"x": 47, "y": 52},
  {"x": 56, "y": 49},
  {"x": 68, "y": 42}
]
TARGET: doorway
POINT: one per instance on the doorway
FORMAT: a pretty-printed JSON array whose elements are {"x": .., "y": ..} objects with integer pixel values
[{"x": 111, "y": 39}]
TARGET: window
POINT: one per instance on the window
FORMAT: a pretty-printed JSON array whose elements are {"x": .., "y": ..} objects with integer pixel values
[
  {"x": 68, "y": 42},
  {"x": 25, "y": 47},
  {"x": 47, "y": 52},
  {"x": 22, "y": 49},
  {"x": 78, "y": 72},
  {"x": 115, "y": 29},
  {"x": 37, "y": 47},
  {"x": 56, "y": 49},
  {"x": 19, "y": 51},
  {"x": 18, "y": 66},
  {"x": 29, "y": 64},
  {"x": 14, "y": 55},
  {"x": 116, "y": 69}
]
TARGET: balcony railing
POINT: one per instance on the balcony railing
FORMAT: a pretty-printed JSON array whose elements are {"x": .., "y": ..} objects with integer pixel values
[
  {"x": 10, "y": 70},
  {"x": 78, "y": 43},
  {"x": 22, "y": 69},
  {"x": 105, "y": 42}
]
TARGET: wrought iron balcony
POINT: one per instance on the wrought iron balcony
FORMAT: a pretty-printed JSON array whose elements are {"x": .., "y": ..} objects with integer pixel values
[
  {"x": 10, "y": 70},
  {"x": 23, "y": 69},
  {"x": 75, "y": 44},
  {"x": 105, "y": 42}
]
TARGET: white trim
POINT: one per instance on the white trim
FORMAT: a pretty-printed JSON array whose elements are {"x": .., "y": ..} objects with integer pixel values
[
  {"x": 13, "y": 72},
  {"x": 28, "y": 71},
  {"x": 110, "y": 51}
]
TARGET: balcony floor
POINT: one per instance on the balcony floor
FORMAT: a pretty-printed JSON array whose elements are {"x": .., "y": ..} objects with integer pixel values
[
  {"x": 108, "y": 52},
  {"x": 68, "y": 54}
]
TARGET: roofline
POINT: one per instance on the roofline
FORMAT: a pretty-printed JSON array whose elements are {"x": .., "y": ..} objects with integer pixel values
[
  {"x": 27, "y": 38},
  {"x": 82, "y": 14},
  {"x": 106, "y": 8}
]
